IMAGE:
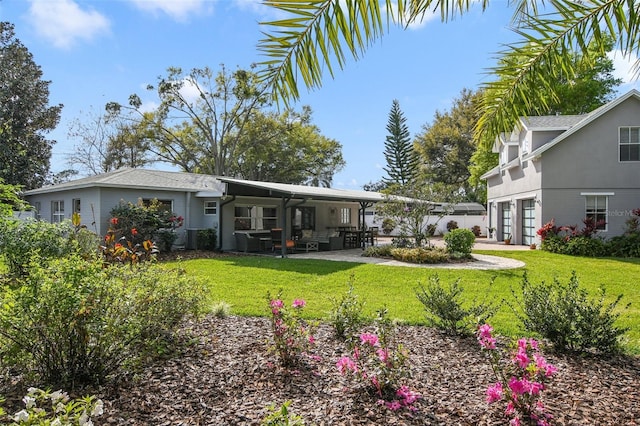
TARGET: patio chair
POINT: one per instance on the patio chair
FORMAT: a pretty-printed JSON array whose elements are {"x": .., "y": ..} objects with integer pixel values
[{"x": 276, "y": 241}]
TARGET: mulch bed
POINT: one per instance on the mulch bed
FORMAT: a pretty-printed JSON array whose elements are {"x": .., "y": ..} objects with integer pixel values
[{"x": 227, "y": 377}]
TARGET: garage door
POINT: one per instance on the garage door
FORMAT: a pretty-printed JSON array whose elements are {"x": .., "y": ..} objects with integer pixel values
[{"x": 528, "y": 222}]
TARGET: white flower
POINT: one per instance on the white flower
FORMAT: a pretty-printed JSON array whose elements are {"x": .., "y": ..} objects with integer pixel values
[
  {"x": 21, "y": 416},
  {"x": 56, "y": 422},
  {"x": 58, "y": 396},
  {"x": 98, "y": 408},
  {"x": 29, "y": 402},
  {"x": 84, "y": 420},
  {"x": 32, "y": 391},
  {"x": 60, "y": 407}
]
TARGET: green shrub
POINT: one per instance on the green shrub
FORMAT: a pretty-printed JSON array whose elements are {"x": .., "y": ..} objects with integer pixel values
[
  {"x": 451, "y": 225},
  {"x": 624, "y": 245},
  {"x": 346, "y": 316},
  {"x": 388, "y": 225},
  {"x": 206, "y": 239},
  {"x": 221, "y": 309},
  {"x": 281, "y": 416},
  {"x": 20, "y": 239},
  {"x": 420, "y": 255},
  {"x": 444, "y": 308},
  {"x": 564, "y": 314},
  {"x": 586, "y": 246},
  {"x": 72, "y": 321},
  {"x": 460, "y": 242},
  {"x": 378, "y": 251}
]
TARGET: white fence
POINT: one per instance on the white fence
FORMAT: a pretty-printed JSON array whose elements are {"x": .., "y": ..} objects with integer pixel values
[{"x": 463, "y": 221}]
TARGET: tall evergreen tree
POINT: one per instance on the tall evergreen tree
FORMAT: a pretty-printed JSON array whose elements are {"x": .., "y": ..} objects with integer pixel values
[
  {"x": 24, "y": 114},
  {"x": 402, "y": 160}
]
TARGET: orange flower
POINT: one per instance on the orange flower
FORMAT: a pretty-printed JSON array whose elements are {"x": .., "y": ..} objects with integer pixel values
[
  {"x": 134, "y": 231},
  {"x": 114, "y": 220}
]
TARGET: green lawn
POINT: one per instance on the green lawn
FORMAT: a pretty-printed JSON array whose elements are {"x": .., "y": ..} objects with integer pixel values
[{"x": 244, "y": 282}]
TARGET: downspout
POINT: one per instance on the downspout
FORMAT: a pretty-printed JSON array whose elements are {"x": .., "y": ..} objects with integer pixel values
[
  {"x": 220, "y": 217},
  {"x": 283, "y": 237}
]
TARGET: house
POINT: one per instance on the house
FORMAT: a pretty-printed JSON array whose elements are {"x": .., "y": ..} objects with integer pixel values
[
  {"x": 227, "y": 205},
  {"x": 566, "y": 169}
]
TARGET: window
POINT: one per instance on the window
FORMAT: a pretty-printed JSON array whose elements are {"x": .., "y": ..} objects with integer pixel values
[
  {"x": 345, "y": 215},
  {"x": 629, "y": 142},
  {"x": 504, "y": 155},
  {"x": 57, "y": 211},
  {"x": 255, "y": 217},
  {"x": 597, "y": 210},
  {"x": 38, "y": 207},
  {"x": 210, "y": 208},
  {"x": 76, "y": 205},
  {"x": 506, "y": 220},
  {"x": 525, "y": 146}
]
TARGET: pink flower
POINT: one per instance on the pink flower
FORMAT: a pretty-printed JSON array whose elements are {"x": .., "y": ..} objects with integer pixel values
[
  {"x": 393, "y": 405},
  {"x": 535, "y": 388},
  {"x": 510, "y": 408},
  {"x": 312, "y": 339},
  {"x": 484, "y": 331},
  {"x": 521, "y": 359},
  {"x": 518, "y": 387},
  {"x": 277, "y": 303},
  {"x": 383, "y": 355},
  {"x": 494, "y": 393},
  {"x": 299, "y": 303},
  {"x": 534, "y": 344},
  {"x": 515, "y": 421},
  {"x": 369, "y": 338},
  {"x": 522, "y": 345},
  {"x": 407, "y": 396},
  {"x": 550, "y": 370},
  {"x": 345, "y": 364},
  {"x": 488, "y": 343}
]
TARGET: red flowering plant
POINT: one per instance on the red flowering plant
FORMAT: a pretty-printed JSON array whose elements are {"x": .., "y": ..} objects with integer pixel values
[{"x": 520, "y": 382}]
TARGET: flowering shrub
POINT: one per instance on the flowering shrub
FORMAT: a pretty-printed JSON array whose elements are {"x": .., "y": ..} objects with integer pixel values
[
  {"x": 292, "y": 336},
  {"x": 56, "y": 408},
  {"x": 420, "y": 255},
  {"x": 520, "y": 382},
  {"x": 571, "y": 240},
  {"x": 380, "y": 365},
  {"x": 628, "y": 244},
  {"x": 126, "y": 251}
]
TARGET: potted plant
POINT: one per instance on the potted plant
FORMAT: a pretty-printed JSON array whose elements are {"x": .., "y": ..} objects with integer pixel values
[{"x": 507, "y": 239}]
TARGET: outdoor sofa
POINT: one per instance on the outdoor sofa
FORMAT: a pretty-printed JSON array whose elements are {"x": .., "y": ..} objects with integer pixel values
[{"x": 327, "y": 240}]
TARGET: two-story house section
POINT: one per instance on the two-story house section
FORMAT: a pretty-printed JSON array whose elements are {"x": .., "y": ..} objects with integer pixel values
[{"x": 567, "y": 168}]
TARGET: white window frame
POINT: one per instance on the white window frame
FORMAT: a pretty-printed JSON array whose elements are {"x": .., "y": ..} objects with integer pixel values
[
  {"x": 257, "y": 219},
  {"x": 345, "y": 216},
  {"x": 57, "y": 211},
  {"x": 597, "y": 211},
  {"x": 76, "y": 205},
  {"x": 210, "y": 208},
  {"x": 629, "y": 142}
]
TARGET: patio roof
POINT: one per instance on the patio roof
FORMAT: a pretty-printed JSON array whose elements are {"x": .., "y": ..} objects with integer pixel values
[{"x": 241, "y": 187}]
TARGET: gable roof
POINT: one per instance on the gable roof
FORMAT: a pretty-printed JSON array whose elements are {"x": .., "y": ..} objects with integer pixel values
[
  {"x": 585, "y": 121},
  {"x": 551, "y": 122},
  {"x": 139, "y": 179}
]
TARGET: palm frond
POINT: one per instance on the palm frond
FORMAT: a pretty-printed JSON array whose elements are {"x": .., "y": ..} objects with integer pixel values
[{"x": 527, "y": 69}]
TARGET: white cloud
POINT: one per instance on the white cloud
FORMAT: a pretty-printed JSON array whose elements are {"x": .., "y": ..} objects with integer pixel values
[
  {"x": 625, "y": 68},
  {"x": 63, "y": 22},
  {"x": 180, "y": 10}
]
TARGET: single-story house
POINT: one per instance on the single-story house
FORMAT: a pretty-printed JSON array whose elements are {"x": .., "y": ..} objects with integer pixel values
[
  {"x": 566, "y": 169},
  {"x": 227, "y": 205}
]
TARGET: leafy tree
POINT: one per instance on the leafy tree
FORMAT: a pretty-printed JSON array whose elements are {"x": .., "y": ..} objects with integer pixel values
[
  {"x": 402, "y": 160},
  {"x": 24, "y": 114},
  {"x": 10, "y": 199},
  {"x": 315, "y": 38},
  {"x": 286, "y": 148},
  {"x": 200, "y": 117},
  {"x": 377, "y": 186},
  {"x": 412, "y": 205},
  {"x": 446, "y": 146}
]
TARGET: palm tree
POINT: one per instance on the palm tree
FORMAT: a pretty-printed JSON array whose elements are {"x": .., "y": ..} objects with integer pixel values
[{"x": 320, "y": 34}]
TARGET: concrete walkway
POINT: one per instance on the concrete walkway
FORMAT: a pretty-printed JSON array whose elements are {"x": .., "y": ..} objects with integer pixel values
[{"x": 482, "y": 261}]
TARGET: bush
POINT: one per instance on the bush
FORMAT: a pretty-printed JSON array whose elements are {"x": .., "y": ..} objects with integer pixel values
[
  {"x": 431, "y": 229},
  {"x": 378, "y": 251},
  {"x": 624, "y": 246},
  {"x": 20, "y": 239},
  {"x": 281, "y": 416},
  {"x": 346, "y": 314},
  {"x": 420, "y": 255},
  {"x": 451, "y": 225},
  {"x": 74, "y": 322},
  {"x": 460, "y": 242},
  {"x": 586, "y": 246},
  {"x": 388, "y": 225},
  {"x": 477, "y": 231},
  {"x": 566, "y": 316},
  {"x": 444, "y": 308},
  {"x": 206, "y": 239}
]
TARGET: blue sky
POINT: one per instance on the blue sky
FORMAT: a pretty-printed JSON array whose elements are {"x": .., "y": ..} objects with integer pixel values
[{"x": 96, "y": 51}]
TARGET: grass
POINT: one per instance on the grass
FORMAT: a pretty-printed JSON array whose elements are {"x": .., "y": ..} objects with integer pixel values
[{"x": 244, "y": 282}]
